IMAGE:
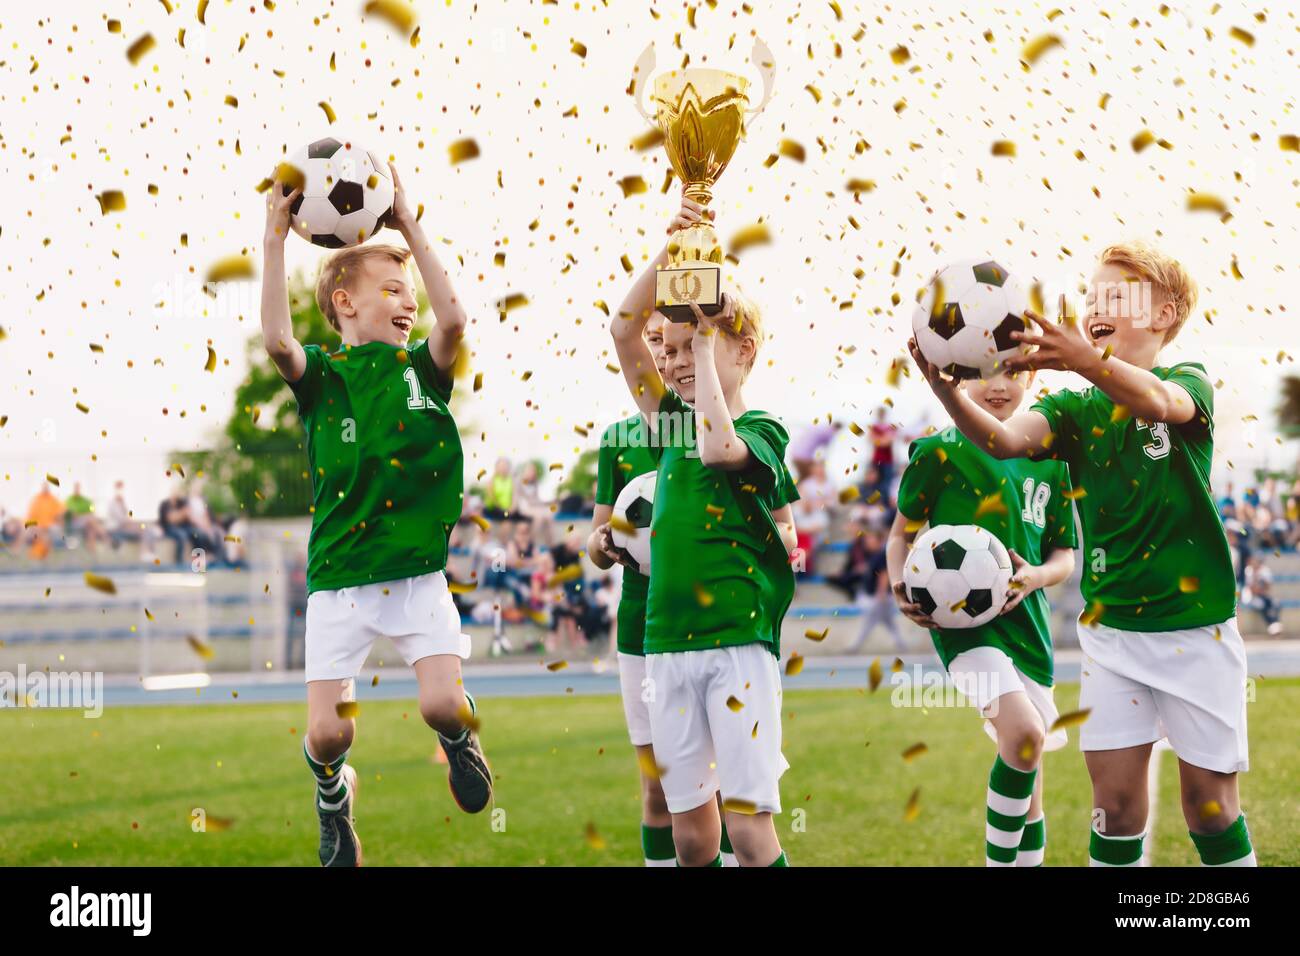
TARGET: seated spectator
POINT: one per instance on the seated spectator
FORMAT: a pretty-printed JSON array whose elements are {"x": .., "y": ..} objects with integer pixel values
[
  {"x": 813, "y": 511},
  {"x": 120, "y": 526},
  {"x": 500, "y": 495},
  {"x": 234, "y": 550},
  {"x": 43, "y": 517},
  {"x": 1258, "y": 594},
  {"x": 80, "y": 519},
  {"x": 174, "y": 523},
  {"x": 529, "y": 503}
]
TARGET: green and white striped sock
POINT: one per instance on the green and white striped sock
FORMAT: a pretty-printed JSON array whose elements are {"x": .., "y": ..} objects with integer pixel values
[
  {"x": 728, "y": 854},
  {"x": 1008, "y": 805},
  {"x": 1033, "y": 843},
  {"x": 781, "y": 860},
  {"x": 1115, "y": 851},
  {"x": 1232, "y": 847},
  {"x": 657, "y": 845},
  {"x": 331, "y": 786}
]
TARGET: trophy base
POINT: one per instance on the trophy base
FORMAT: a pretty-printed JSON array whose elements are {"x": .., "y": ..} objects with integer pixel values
[{"x": 678, "y": 286}]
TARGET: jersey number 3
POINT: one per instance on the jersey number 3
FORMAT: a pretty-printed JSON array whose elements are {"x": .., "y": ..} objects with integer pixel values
[
  {"x": 1159, "y": 445},
  {"x": 416, "y": 399}
]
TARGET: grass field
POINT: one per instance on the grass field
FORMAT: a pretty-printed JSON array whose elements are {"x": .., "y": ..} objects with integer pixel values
[{"x": 120, "y": 790}]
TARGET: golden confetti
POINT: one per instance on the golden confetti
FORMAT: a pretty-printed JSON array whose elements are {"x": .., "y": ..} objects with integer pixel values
[
  {"x": 648, "y": 140},
  {"x": 1073, "y": 719},
  {"x": 991, "y": 505},
  {"x": 1206, "y": 202},
  {"x": 462, "y": 587},
  {"x": 1003, "y": 147},
  {"x": 100, "y": 583},
  {"x": 792, "y": 150},
  {"x": 860, "y": 185},
  {"x": 347, "y": 709},
  {"x": 563, "y": 576},
  {"x": 1210, "y": 809},
  {"x": 734, "y": 704},
  {"x": 1289, "y": 142},
  {"x": 201, "y": 648},
  {"x": 913, "y": 808},
  {"x": 914, "y": 751},
  {"x": 465, "y": 714},
  {"x": 328, "y": 110},
  {"x": 632, "y": 185},
  {"x": 794, "y": 665},
  {"x": 594, "y": 839},
  {"x": 111, "y": 200},
  {"x": 137, "y": 50},
  {"x": 649, "y": 769},
  {"x": 1189, "y": 585},
  {"x": 816, "y": 636},
  {"x": 875, "y": 674},
  {"x": 702, "y": 596},
  {"x": 754, "y": 235},
  {"x": 400, "y": 16},
  {"x": 462, "y": 150},
  {"x": 900, "y": 55},
  {"x": 737, "y": 805},
  {"x": 211, "y": 364},
  {"x": 1035, "y": 48},
  {"x": 1142, "y": 140},
  {"x": 232, "y": 269},
  {"x": 849, "y": 493},
  {"x": 217, "y": 824},
  {"x": 1243, "y": 36},
  {"x": 203, "y": 11},
  {"x": 622, "y": 525},
  {"x": 1119, "y": 414},
  {"x": 1074, "y": 494},
  {"x": 557, "y": 666}
]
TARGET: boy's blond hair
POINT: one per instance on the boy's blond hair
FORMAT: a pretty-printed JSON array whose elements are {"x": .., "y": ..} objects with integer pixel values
[
  {"x": 746, "y": 322},
  {"x": 1164, "y": 272},
  {"x": 340, "y": 270}
]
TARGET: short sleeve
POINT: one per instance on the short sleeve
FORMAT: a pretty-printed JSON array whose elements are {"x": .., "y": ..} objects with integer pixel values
[
  {"x": 918, "y": 489},
  {"x": 437, "y": 380},
  {"x": 767, "y": 439},
  {"x": 1060, "y": 532},
  {"x": 1061, "y": 409},
  {"x": 606, "y": 465},
  {"x": 1191, "y": 377},
  {"x": 308, "y": 388}
]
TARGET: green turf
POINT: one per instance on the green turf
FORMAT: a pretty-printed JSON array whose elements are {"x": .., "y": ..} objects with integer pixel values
[{"x": 120, "y": 789}]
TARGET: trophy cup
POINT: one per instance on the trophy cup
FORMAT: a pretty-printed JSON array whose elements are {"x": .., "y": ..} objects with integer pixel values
[{"x": 701, "y": 113}]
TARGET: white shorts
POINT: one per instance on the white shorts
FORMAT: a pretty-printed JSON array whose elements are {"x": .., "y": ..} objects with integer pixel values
[
  {"x": 416, "y": 614},
  {"x": 983, "y": 674},
  {"x": 631, "y": 681},
  {"x": 1188, "y": 686},
  {"x": 703, "y": 745}
]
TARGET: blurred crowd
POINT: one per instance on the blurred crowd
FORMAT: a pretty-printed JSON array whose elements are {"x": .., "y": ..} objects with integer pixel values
[
  {"x": 183, "y": 525},
  {"x": 516, "y": 550}
]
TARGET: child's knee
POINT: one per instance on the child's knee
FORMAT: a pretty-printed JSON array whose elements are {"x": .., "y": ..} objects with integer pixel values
[
  {"x": 443, "y": 710},
  {"x": 1119, "y": 809},
  {"x": 329, "y": 738}
]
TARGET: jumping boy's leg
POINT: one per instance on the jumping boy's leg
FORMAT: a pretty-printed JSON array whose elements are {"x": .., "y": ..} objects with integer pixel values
[
  {"x": 326, "y": 745},
  {"x": 1119, "y": 800},
  {"x": 445, "y": 706}
]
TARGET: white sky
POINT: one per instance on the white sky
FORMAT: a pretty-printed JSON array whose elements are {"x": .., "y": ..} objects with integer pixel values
[{"x": 940, "y": 195}]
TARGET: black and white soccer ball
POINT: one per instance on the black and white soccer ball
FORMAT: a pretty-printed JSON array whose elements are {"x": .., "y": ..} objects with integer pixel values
[
  {"x": 347, "y": 193},
  {"x": 635, "y": 505},
  {"x": 967, "y": 331},
  {"x": 958, "y": 574}
]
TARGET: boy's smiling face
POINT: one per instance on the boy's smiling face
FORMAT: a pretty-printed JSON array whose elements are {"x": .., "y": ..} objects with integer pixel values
[
  {"x": 999, "y": 394},
  {"x": 1124, "y": 312},
  {"x": 380, "y": 306},
  {"x": 679, "y": 360}
]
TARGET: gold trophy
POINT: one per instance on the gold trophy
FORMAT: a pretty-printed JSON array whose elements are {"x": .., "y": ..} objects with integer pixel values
[{"x": 702, "y": 115}]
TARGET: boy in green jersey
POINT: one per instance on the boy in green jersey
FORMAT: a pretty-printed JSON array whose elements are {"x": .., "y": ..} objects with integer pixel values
[
  {"x": 386, "y": 467},
  {"x": 1003, "y": 667},
  {"x": 1162, "y": 654},
  {"x": 721, "y": 581}
]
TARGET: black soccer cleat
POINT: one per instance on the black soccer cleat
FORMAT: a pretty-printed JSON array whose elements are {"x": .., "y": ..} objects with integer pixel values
[
  {"x": 339, "y": 843},
  {"x": 469, "y": 776}
]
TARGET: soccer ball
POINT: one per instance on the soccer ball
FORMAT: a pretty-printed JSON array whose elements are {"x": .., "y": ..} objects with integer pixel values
[
  {"x": 958, "y": 574},
  {"x": 635, "y": 505},
  {"x": 967, "y": 331},
  {"x": 347, "y": 194}
]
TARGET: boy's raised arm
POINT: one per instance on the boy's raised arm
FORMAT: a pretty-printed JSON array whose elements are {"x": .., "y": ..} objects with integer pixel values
[
  {"x": 448, "y": 313},
  {"x": 277, "y": 325},
  {"x": 628, "y": 324},
  {"x": 1023, "y": 435}
]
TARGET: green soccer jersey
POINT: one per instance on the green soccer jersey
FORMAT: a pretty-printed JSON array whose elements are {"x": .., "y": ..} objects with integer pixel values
[
  {"x": 1025, "y": 504},
  {"x": 386, "y": 464},
  {"x": 625, "y": 454},
  {"x": 720, "y": 574},
  {"x": 1155, "y": 553}
]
